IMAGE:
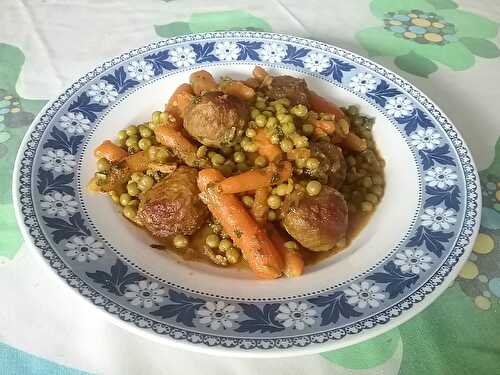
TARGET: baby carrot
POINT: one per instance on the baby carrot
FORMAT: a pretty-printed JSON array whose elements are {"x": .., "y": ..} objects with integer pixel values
[
  {"x": 257, "y": 178},
  {"x": 260, "y": 206},
  {"x": 137, "y": 162},
  {"x": 109, "y": 151},
  {"x": 294, "y": 263},
  {"x": 321, "y": 105},
  {"x": 258, "y": 250},
  {"x": 180, "y": 145},
  {"x": 180, "y": 99},
  {"x": 266, "y": 148},
  {"x": 354, "y": 143}
]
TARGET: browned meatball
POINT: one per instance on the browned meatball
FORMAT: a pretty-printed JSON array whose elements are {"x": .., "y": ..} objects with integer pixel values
[
  {"x": 215, "y": 119},
  {"x": 294, "y": 89},
  {"x": 173, "y": 206},
  {"x": 332, "y": 163},
  {"x": 318, "y": 222}
]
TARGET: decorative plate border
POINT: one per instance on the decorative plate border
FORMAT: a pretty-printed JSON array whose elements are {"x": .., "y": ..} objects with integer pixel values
[{"x": 448, "y": 219}]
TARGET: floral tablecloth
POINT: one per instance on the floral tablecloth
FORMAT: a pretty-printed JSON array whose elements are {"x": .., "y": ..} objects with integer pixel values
[{"x": 448, "y": 49}]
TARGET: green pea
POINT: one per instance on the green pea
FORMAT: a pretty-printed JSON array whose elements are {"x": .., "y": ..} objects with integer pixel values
[
  {"x": 358, "y": 121},
  {"x": 162, "y": 155},
  {"x": 377, "y": 190},
  {"x": 131, "y": 141},
  {"x": 274, "y": 202},
  {"x": 122, "y": 135},
  {"x": 282, "y": 101},
  {"x": 163, "y": 117},
  {"x": 251, "y": 147},
  {"x": 144, "y": 143},
  {"x": 300, "y": 163},
  {"x": 275, "y": 139},
  {"x": 260, "y": 161},
  {"x": 216, "y": 228},
  {"x": 101, "y": 177},
  {"x": 115, "y": 197},
  {"x": 121, "y": 142},
  {"x": 217, "y": 159},
  {"x": 242, "y": 167},
  {"x": 133, "y": 203},
  {"x": 225, "y": 244},
  {"x": 312, "y": 164},
  {"x": 133, "y": 189},
  {"x": 286, "y": 145},
  {"x": 366, "y": 206},
  {"x": 271, "y": 123},
  {"x": 261, "y": 120},
  {"x": 343, "y": 126},
  {"x": 267, "y": 113},
  {"x": 233, "y": 255},
  {"x": 313, "y": 188},
  {"x": 103, "y": 165},
  {"x": 125, "y": 199},
  {"x": 180, "y": 241},
  {"x": 212, "y": 241},
  {"x": 146, "y": 183},
  {"x": 260, "y": 104},
  {"x": 284, "y": 118},
  {"x": 201, "y": 151},
  {"x": 367, "y": 182},
  {"x": 272, "y": 215},
  {"x": 301, "y": 141},
  {"x": 250, "y": 133},
  {"x": 291, "y": 245},
  {"x": 282, "y": 190},
  {"x": 308, "y": 129},
  {"x": 247, "y": 200},
  {"x": 129, "y": 212},
  {"x": 137, "y": 176},
  {"x": 254, "y": 113},
  {"x": 155, "y": 117},
  {"x": 299, "y": 110},
  {"x": 280, "y": 108},
  {"x": 352, "y": 110},
  {"x": 288, "y": 128},
  {"x": 131, "y": 130},
  {"x": 372, "y": 198},
  {"x": 227, "y": 150},
  {"x": 239, "y": 157},
  {"x": 145, "y": 132}
]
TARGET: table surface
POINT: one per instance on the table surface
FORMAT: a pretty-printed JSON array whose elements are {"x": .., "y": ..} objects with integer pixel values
[{"x": 44, "y": 46}]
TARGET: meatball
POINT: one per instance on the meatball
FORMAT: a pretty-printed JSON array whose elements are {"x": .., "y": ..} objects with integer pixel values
[
  {"x": 173, "y": 206},
  {"x": 294, "y": 89},
  {"x": 332, "y": 163},
  {"x": 317, "y": 222},
  {"x": 215, "y": 119}
]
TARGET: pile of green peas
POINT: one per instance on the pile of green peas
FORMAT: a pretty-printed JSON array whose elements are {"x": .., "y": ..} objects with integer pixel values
[
  {"x": 364, "y": 186},
  {"x": 219, "y": 241}
]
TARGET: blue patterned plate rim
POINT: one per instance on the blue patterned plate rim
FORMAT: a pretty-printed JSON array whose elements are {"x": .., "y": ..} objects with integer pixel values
[{"x": 45, "y": 179}]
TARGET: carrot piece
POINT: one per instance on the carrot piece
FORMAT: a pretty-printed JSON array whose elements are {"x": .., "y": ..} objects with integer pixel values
[
  {"x": 237, "y": 89},
  {"x": 354, "y": 143},
  {"x": 180, "y": 145},
  {"x": 180, "y": 99},
  {"x": 294, "y": 263},
  {"x": 298, "y": 153},
  {"x": 260, "y": 207},
  {"x": 202, "y": 82},
  {"x": 257, "y": 178},
  {"x": 262, "y": 256},
  {"x": 109, "y": 151},
  {"x": 266, "y": 148},
  {"x": 320, "y": 104},
  {"x": 137, "y": 162},
  {"x": 259, "y": 73},
  {"x": 327, "y": 126}
]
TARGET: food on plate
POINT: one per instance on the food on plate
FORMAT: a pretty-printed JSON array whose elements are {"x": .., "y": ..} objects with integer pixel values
[{"x": 263, "y": 173}]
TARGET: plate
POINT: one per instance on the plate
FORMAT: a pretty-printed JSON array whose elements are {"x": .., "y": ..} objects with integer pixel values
[{"x": 403, "y": 259}]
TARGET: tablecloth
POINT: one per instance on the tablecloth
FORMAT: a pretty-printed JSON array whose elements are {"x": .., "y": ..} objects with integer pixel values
[{"x": 449, "y": 49}]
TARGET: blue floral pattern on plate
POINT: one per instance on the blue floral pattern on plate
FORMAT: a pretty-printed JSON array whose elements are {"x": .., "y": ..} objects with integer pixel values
[{"x": 445, "y": 223}]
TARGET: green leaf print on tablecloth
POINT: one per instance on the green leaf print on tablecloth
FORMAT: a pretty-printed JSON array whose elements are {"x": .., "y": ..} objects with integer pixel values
[
  {"x": 480, "y": 276},
  {"x": 422, "y": 33},
  {"x": 214, "y": 21},
  {"x": 16, "y": 114}
]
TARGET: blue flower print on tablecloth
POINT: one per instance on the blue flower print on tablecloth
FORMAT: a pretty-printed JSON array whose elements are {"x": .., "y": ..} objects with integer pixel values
[
  {"x": 413, "y": 260},
  {"x": 316, "y": 62},
  {"x": 182, "y": 57},
  {"x": 363, "y": 82},
  {"x": 296, "y": 315},
  {"x": 425, "y": 139},
  {"x": 58, "y": 204},
  {"x": 58, "y": 161},
  {"x": 440, "y": 177},
  {"x": 227, "y": 51},
  {"x": 84, "y": 249},
  {"x": 217, "y": 315},
  {"x": 103, "y": 93},
  {"x": 272, "y": 52},
  {"x": 364, "y": 294},
  {"x": 399, "y": 106},
  {"x": 438, "y": 218},
  {"x": 145, "y": 294},
  {"x": 140, "y": 70},
  {"x": 75, "y": 122}
]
